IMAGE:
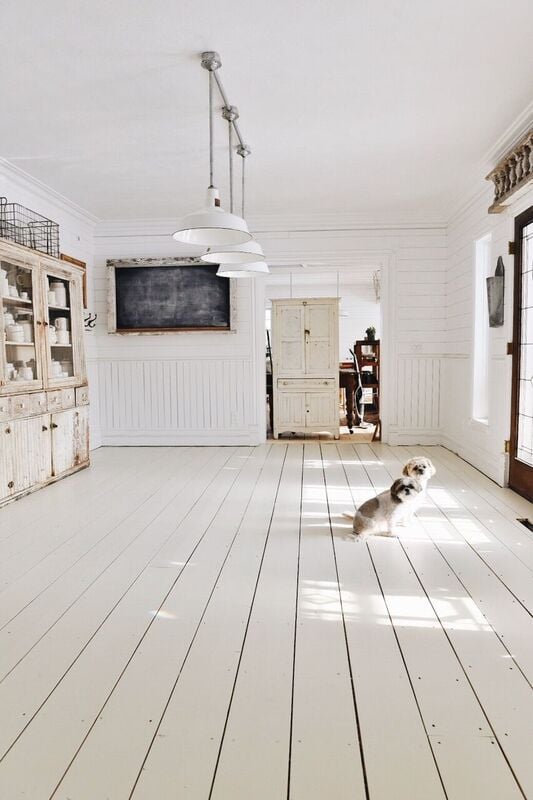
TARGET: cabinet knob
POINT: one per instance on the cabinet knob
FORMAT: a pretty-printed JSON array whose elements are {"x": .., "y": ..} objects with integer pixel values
[
  {"x": 10, "y": 484},
  {"x": 8, "y": 430},
  {"x": 44, "y": 428},
  {"x": 38, "y": 322},
  {"x": 45, "y": 323},
  {"x": 53, "y": 425}
]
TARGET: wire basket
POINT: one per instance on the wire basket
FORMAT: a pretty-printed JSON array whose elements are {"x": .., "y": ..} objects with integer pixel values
[{"x": 23, "y": 226}]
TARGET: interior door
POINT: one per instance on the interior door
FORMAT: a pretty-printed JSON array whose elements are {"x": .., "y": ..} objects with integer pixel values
[{"x": 521, "y": 443}]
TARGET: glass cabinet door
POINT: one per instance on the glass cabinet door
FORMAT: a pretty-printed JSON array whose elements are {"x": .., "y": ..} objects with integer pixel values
[
  {"x": 20, "y": 363},
  {"x": 62, "y": 302}
]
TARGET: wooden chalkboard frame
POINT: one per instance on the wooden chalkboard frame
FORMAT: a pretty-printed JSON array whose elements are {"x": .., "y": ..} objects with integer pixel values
[{"x": 117, "y": 263}]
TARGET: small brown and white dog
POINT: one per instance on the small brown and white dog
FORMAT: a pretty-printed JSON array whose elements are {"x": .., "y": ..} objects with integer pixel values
[
  {"x": 383, "y": 513},
  {"x": 420, "y": 468}
]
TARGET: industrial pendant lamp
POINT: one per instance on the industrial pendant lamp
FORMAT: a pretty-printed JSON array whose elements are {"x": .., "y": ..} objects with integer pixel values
[
  {"x": 254, "y": 264},
  {"x": 250, "y": 251},
  {"x": 212, "y": 225}
]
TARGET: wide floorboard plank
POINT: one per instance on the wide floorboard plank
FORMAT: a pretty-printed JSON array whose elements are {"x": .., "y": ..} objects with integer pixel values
[{"x": 325, "y": 747}]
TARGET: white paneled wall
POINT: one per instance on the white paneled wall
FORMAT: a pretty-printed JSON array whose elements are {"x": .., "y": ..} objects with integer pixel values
[
  {"x": 177, "y": 389},
  {"x": 481, "y": 445},
  {"x": 206, "y": 388},
  {"x": 175, "y": 400},
  {"x": 412, "y": 259}
]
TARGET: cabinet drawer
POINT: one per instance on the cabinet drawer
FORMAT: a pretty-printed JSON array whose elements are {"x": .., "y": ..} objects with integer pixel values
[
  {"x": 82, "y": 396},
  {"x": 5, "y": 409},
  {"x": 307, "y": 384},
  {"x": 68, "y": 398},
  {"x": 54, "y": 400},
  {"x": 20, "y": 406},
  {"x": 38, "y": 403}
]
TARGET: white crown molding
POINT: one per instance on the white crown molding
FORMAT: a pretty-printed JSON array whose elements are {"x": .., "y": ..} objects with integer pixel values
[
  {"x": 512, "y": 134},
  {"x": 27, "y": 181}
]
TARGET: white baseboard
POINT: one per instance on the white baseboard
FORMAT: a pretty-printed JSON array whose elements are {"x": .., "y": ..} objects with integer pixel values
[
  {"x": 493, "y": 466},
  {"x": 177, "y": 439},
  {"x": 415, "y": 436}
]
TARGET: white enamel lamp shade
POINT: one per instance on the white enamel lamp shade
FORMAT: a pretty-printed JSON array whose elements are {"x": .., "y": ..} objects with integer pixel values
[
  {"x": 211, "y": 225},
  {"x": 243, "y": 270},
  {"x": 237, "y": 254}
]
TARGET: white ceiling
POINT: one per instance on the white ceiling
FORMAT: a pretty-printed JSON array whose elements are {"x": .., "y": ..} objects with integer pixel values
[{"x": 384, "y": 109}]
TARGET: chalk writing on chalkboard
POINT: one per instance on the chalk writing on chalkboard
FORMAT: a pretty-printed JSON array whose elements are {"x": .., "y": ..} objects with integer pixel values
[{"x": 159, "y": 295}]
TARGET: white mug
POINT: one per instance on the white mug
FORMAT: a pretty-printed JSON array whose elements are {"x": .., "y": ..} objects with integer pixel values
[
  {"x": 63, "y": 337},
  {"x": 51, "y": 298}
]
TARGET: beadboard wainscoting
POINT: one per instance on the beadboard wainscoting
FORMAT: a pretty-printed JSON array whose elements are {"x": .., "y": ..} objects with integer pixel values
[
  {"x": 177, "y": 401},
  {"x": 418, "y": 400}
]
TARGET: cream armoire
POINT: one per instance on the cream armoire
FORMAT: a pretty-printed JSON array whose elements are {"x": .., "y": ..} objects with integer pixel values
[{"x": 305, "y": 365}]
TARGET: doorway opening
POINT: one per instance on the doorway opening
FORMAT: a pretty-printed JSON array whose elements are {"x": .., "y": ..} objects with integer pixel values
[{"x": 358, "y": 290}]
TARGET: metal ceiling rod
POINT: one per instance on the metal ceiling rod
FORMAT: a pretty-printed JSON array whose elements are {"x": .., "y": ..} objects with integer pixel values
[{"x": 212, "y": 62}]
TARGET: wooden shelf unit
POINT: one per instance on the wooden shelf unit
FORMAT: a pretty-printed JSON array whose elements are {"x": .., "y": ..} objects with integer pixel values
[
  {"x": 369, "y": 360},
  {"x": 44, "y": 419}
]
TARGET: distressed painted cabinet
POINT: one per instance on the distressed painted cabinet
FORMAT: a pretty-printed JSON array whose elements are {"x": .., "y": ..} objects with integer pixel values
[
  {"x": 44, "y": 431},
  {"x": 305, "y": 361}
]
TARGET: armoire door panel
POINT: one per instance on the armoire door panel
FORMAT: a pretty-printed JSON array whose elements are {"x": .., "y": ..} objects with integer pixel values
[
  {"x": 292, "y": 358},
  {"x": 291, "y": 410},
  {"x": 322, "y": 409},
  {"x": 319, "y": 320},
  {"x": 290, "y": 322},
  {"x": 319, "y": 358}
]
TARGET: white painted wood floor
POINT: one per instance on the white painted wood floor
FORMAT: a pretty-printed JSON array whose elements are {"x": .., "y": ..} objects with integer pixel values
[{"x": 196, "y": 623}]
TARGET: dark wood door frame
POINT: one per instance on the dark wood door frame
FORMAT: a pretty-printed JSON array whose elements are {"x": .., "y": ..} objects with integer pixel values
[{"x": 520, "y": 474}]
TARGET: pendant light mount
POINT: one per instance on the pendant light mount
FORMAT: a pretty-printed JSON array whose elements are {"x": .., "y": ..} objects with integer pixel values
[
  {"x": 211, "y": 60},
  {"x": 211, "y": 225}
]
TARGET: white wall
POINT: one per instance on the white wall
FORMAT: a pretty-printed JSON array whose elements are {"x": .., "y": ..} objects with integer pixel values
[
  {"x": 76, "y": 239},
  {"x": 481, "y": 445},
  {"x": 412, "y": 258},
  {"x": 186, "y": 388},
  {"x": 203, "y": 387}
]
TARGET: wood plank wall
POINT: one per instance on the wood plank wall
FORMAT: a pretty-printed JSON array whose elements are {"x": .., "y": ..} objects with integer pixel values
[
  {"x": 482, "y": 446},
  {"x": 136, "y": 373}
]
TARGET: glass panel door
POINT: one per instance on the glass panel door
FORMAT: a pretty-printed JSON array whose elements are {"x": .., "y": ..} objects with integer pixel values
[
  {"x": 20, "y": 365},
  {"x": 62, "y": 355},
  {"x": 521, "y": 462}
]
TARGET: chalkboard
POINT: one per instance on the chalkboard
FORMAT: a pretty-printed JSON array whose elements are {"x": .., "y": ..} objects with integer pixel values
[{"x": 170, "y": 297}]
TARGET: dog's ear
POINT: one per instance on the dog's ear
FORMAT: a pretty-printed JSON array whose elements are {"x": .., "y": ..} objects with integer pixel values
[
  {"x": 395, "y": 488},
  {"x": 431, "y": 467},
  {"x": 407, "y": 467}
]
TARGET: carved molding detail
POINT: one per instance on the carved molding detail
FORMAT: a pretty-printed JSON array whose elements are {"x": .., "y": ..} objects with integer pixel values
[{"x": 512, "y": 172}]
